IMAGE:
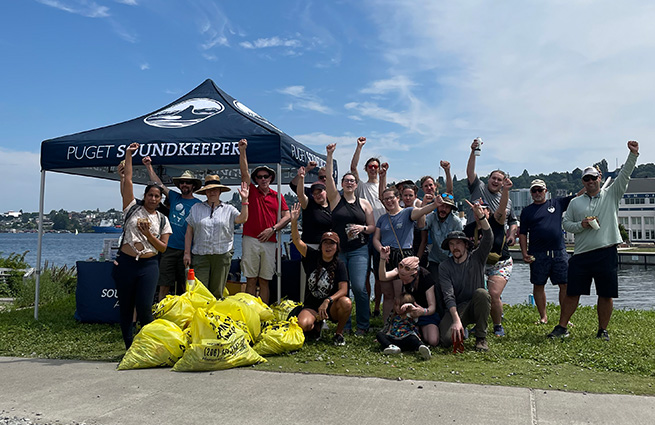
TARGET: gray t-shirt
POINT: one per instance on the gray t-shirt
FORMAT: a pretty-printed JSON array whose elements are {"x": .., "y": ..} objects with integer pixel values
[
  {"x": 479, "y": 190},
  {"x": 369, "y": 191},
  {"x": 459, "y": 281}
]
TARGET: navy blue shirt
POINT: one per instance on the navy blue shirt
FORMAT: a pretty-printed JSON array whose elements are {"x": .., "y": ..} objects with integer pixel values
[{"x": 543, "y": 224}]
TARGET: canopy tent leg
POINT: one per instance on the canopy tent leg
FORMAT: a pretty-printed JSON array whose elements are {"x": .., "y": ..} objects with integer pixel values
[
  {"x": 38, "y": 248},
  {"x": 279, "y": 233}
]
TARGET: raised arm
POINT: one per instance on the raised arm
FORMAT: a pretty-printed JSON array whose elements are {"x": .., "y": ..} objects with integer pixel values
[
  {"x": 470, "y": 166},
  {"x": 147, "y": 161},
  {"x": 302, "y": 197},
  {"x": 293, "y": 184},
  {"x": 361, "y": 141},
  {"x": 382, "y": 183},
  {"x": 243, "y": 161},
  {"x": 425, "y": 209},
  {"x": 383, "y": 274},
  {"x": 127, "y": 188},
  {"x": 244, "y": 191},
  {"x": 330, "y": 185},
  {"x": 295, "y": 235},
  {"x": 501, "y": 213},
  {"x": 449, "y": 179}
]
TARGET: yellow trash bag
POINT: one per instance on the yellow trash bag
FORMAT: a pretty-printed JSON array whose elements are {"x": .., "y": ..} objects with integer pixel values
[
  {"x": 264, "y": 311},
  {"x": 176, "y": 309},
  {"x": 240, "y": 312},
  {"x": 217, "y": 344},
  {"x": 280, "y": 337},
  {"x": 284, "y": 308},
  {"x": 199, "y": 295},
  {"x": 159, "y": 343}
]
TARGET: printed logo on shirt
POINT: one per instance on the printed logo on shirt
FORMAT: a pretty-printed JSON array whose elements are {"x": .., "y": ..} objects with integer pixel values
[
  {"x": 319, "y": 284},
  {"x": 551, "y": 209}
]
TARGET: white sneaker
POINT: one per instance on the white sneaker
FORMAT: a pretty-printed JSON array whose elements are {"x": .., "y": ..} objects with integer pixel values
[
  {"x": 425, "y": 352},
  {"x": 392, "y": 349}
]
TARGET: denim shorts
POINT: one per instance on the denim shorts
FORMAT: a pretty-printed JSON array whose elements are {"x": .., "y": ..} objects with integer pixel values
[{"x": 549, "y": 264}]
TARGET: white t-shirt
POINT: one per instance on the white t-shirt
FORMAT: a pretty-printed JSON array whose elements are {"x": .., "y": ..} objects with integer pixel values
[
  {"x": 132, "y": 233},
  {"x": 369, "y": 191}
]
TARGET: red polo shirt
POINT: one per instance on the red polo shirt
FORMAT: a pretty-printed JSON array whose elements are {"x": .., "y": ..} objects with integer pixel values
[{"x": 262, "y": 212}]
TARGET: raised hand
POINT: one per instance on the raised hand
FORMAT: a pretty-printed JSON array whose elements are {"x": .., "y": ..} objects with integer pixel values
[
  {"x": 301, "y": 172},
  {"x": 310, "y": 166},
  {"x": 243, "y": 144},
  {"x": 295, "y": 211},
  {"x": 147, "y": 161},
  {"x": 361, "y": 141},
  {"x": 244, "y": 191},
  {"x": 330, "y": 148},
  {"x": 633, "y": 146},
  {"x": 445, "y": 165}
]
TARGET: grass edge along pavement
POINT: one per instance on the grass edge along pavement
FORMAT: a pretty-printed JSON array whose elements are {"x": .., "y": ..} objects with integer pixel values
[{"x": 524, "y": 358}]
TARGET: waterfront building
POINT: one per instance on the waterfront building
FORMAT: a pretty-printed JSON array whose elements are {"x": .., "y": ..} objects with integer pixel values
[{"x": 637, "y": 210}]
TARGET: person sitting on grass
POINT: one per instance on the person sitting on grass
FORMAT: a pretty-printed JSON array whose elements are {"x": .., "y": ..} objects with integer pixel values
[
  {"x": 401, "y": 330},
  {"x": 418, "y": 282},
  {"x": 327, "y": 283}
]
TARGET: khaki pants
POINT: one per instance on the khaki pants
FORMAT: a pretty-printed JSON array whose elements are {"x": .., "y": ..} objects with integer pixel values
[{"x": 475, "y": 311}]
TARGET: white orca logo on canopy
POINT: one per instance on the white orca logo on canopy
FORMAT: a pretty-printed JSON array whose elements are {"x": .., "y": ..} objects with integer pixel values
[
  {"x": 185, "y": 114},
  {"x": 246, "y": 110}
]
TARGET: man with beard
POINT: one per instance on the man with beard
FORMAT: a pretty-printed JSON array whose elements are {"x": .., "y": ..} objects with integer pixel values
[
  {"x": 439, "y": 224},
  {"x": 593, "y": 218},
  {"x": 171, "y": 265},
  {"x": 462, "y": 285}
]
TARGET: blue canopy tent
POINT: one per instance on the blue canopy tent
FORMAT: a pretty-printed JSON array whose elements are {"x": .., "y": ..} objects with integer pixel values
[{"x": 199, "y": 132}]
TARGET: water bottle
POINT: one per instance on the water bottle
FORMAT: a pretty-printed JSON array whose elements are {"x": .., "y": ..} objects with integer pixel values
[
  {"x": 531, "y": 299},
  {"x": 476, "y": 150}
]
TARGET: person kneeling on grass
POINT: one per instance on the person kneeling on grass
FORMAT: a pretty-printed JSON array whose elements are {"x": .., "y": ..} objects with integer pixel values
[
  {"x": 401, "y": 330},
  {"x": 327, "y": 283}
]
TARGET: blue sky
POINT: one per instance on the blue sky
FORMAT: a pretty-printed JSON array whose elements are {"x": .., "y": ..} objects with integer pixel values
[{"x": 548, "y": 85}]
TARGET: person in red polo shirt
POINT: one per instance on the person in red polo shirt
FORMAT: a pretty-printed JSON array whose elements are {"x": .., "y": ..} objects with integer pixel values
[{"x": 259, "y": 232}]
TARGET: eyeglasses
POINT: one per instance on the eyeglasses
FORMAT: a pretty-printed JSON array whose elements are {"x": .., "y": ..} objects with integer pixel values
[
  {"x": 349, "y": 180},
  {"x": 537, "y": 189},
  {"x": 373, "y": 167},
  {"x": 589, "y": 178},
  {"x": 389, "y": 198},
  {"x": 447, "y": 196},
  {"x": 322, "y": 177},
  {"x": 263, "y": 176}
]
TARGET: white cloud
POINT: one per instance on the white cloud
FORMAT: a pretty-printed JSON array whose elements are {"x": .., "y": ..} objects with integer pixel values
[
  {"x": 558, "y": 82},
  {"x": 263, "y": 43},
  {"x": 128, "y": 2},
  {"x": 304, "y": 100},
  {"x": 84, "y": 8},
  {"x": 144, "y": 66}
]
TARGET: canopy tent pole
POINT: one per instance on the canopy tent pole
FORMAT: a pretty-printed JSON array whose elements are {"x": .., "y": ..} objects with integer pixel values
[
  {"x": 279, "y": 233},
  {"x": 38, "y": 248}
]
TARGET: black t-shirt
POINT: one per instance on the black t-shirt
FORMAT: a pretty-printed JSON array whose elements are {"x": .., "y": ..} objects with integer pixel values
[
  {"x": 316, "y": 220},
  {"x": 319, "y": 286},
  {"x": 424, "y": 283},
  {"x": 499, "y": 245}
]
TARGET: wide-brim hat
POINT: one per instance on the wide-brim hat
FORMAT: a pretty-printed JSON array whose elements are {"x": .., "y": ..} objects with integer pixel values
[
  {"x": 187, "y": 175},
  {"x": 455, "y": 234},
  {"x": 212, "y": 181},
  {"x": 260, "y": 168},
  {"x": 449, "y": 199}
]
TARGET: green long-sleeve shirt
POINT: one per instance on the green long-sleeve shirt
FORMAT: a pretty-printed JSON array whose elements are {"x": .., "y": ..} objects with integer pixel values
[{"x": 605, "y": 206}]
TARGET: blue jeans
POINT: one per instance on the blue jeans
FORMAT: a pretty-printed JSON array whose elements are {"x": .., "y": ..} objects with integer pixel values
[{"x": 357, "y": 264}]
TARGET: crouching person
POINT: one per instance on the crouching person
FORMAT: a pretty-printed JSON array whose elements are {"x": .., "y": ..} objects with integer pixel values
[
  {"x": 327, "y": 283},
  {"x": 462, "y": 282},
  {"x": 401, "y": 330}
]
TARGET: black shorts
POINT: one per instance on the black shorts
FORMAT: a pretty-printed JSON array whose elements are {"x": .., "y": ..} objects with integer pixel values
[
  {"x": 601, "y": 265},
  {"x": 314, "y": 307},
  {"x": 549, "y": 264},
  {"x": 396, "y": 256},
  {"x": 171, "y": 269}
]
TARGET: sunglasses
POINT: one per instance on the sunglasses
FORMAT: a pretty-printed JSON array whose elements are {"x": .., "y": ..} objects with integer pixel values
[
  {"x": 447, "y": 196},
  {"x": 263, "y": 176},
  {"x": 537, "y": 189},
  {"x": 186, "y": 182},
  {"x": 589, "y": 178},
  {"x": 372, "y": 167}
]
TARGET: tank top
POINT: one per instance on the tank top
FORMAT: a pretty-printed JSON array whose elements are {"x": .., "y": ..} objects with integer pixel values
[{"x": 349, "y": 213}]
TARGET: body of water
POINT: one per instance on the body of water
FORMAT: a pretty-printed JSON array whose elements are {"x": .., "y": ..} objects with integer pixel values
[{"x": 636, "y": 283}]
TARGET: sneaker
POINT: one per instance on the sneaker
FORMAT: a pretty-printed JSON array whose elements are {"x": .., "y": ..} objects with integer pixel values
[
  {"x": 499, "y": 330},
  {"x": 602, "y": 334},
  {"x": 393, "y": 349},
  {"x": 559, "y": 332},
  {"x": 339, "y": 340},
  {"x": 360, "y": 332},
  {"x": 424, "y": 351},
  {"x": 481, "y": 344}
]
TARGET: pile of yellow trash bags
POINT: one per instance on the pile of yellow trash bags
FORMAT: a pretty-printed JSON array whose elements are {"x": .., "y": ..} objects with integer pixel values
[{"x": 196, "y": 332}]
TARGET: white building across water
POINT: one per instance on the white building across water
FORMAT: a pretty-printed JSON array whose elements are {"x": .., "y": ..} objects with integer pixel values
[{"x": 637, "y": 210}]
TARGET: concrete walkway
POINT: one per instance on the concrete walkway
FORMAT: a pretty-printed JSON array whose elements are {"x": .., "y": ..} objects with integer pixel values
[{"x": 63, "y": 392}]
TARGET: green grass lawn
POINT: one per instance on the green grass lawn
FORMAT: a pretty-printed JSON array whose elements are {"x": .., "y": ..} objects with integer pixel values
[{"x": 524, "y": 358}]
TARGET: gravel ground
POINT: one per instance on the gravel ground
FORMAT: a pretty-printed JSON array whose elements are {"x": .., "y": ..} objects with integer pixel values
[{"x": 7, "y": 419}]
